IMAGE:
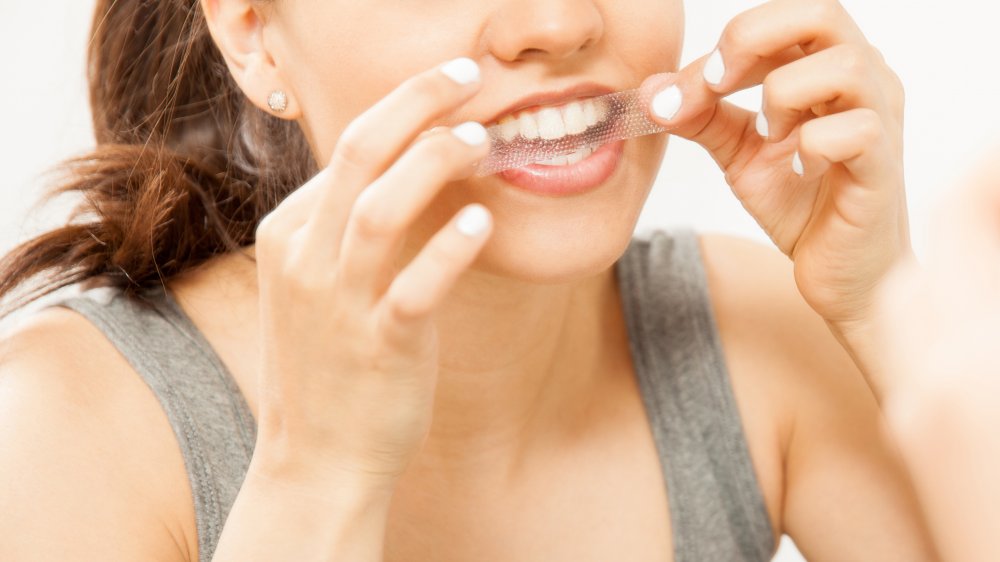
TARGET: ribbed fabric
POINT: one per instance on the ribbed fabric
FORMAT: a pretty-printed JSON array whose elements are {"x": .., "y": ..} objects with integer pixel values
[
  {"x": 716, "y": 506},
  {"x": 717, "y": 509},
  {"x": 209, "y": 416}
]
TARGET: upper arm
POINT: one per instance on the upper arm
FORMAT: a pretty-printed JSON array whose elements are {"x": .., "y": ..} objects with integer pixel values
[
  {"x": 87, "y": 468},
  {"x": 845, "y": 479},
  {"x": 845, "y": 494}
]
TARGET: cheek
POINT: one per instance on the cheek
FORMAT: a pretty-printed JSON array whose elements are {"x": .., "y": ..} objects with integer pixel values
[
  {"x": 649, "y": 35},
  {"x": 341, "y": 68}
]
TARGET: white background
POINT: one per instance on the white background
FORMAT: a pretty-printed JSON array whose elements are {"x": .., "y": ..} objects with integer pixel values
[{"x": 944, "y": 52}]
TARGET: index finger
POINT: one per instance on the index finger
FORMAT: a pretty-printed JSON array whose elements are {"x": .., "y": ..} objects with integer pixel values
[
  {"x": 375, "y": 139},
  {"x": 780, "y": 28}
]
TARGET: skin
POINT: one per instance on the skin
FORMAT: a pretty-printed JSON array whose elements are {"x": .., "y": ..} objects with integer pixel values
[
  {"x": 937, "y": 323},
  {"x": 475, "y": 435}
]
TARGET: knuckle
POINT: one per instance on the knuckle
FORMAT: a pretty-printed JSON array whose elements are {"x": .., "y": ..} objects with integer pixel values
[
  {"x": 371, "y": 220},
  {"x": 264, "y": 233},
  {"x": 354, "y": 148},
  {"x": 879, "y": 56},
  {"x": 823, "y": 12},
  {"x": 807, "y": 138},
  {"x": 439, "y": 153},
  {"x": 305, "y": 281},
  {"x": 869, "y": 125},
  {"x": 853, "y": 59},
  {"x": 268, "y": 236},
  {"x": 774, "y": 90},
  {"x": 400, "y": 310},
  {"x": 738, "y": 33},
  {"x": 427, "y": 88}
]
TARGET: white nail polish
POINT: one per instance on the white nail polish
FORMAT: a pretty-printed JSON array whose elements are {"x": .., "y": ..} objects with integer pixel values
[
  {"x": 462, "y": 70},
  {"x": 473, "y": 220},
  {"x": 762, "y": 127},
  {"x": 667, "y": 103},
  {"x": 797, "y": 164},
  {"x": 715, "y": 68},
  {"x": 471, "y": 133}
]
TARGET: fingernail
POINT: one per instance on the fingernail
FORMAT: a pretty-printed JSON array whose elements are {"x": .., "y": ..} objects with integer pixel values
[
  {"x": 667, "y": 103},
  {"x": 474, "y": 220},
  {"x": 471, "y": 133},
  {"x": 715, "y": 68},
  {"x": 762, "y": 127},
  {"x": 797, "y": 164},
  {"x": 462, "y": 70}
]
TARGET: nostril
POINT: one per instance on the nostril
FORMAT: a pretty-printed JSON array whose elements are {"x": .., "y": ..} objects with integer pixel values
[{"x": 530, "y": 53}]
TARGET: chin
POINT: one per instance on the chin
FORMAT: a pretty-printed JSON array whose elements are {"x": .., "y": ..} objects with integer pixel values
[
  {"x": 551, "y": 240},
  {"x": 550, "y": 254}
]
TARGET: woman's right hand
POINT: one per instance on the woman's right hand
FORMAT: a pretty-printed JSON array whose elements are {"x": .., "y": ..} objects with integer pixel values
[{"x": 349, "y": 350}]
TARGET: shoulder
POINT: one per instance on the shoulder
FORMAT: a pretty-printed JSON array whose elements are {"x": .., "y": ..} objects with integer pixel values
[
  {"x": 808, "y": 411},
  {"x": 760, "y": 313},
  {"x": 98, "y": 472}
]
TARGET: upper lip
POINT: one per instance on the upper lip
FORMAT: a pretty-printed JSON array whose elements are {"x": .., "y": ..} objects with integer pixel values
[{"x": 580, "y": 91}]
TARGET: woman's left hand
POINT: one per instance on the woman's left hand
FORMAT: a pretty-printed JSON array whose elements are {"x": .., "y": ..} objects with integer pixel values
[{"x": 826, "y": 183}]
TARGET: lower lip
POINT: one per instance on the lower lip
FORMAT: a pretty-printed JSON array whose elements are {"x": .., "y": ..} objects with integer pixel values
[{"x": 574, "y": 179}]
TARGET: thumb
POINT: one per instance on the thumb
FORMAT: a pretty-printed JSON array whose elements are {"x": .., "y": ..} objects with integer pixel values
[{"x": 684, "y": 103}]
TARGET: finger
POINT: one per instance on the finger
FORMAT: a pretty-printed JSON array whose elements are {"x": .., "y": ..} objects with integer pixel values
[
  {"x": 834, "y": 80},
  {"x": 275, "y": 229},
  {"x": 694, "y": 112},
  {"x": 376, "y": 138},
  {"x": 420, "y": 287},
  {"x": 388, "y": 207},
  {"x": 772, "y": 28},
  {"x": 856, "y": 139}
]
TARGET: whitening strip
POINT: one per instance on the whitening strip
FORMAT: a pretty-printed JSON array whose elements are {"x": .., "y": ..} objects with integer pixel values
[{"x": 608, "y": 118}]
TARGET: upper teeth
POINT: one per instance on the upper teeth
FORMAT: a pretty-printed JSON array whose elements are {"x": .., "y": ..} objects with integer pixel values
[{"x": 553, "y": 122}]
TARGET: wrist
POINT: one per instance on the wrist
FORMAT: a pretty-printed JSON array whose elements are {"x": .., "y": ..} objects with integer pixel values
[
  {"x": 859, "y": 338},
  {"x": 276, "y": 518},
  {"x": 335, "y": 492},
  {"x": 314, "y": 475}
]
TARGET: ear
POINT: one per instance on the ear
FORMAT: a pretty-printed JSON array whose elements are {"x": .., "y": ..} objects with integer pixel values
[{"x": 237, "y": 28}]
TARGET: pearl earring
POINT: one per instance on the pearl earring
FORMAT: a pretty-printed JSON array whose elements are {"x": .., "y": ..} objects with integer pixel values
[{"x": 277, "y": 101}]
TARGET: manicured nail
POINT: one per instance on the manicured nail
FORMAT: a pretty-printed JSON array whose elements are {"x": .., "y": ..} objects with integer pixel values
[
  {"x": 762, "y": 127},
  {"x": 797, "y": 164},
  {"x": 471, "y": 133},
  {"x": 462, "y": 70},
  {"x": 667, "y": 103},
  {"x": 715, "y": 68},
  {"x": 473, "y": 220}
]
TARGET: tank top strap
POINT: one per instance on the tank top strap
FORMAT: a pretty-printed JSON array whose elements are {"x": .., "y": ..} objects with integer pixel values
[
  {"x": 716, "y": 506},
  {"x": 208, "y": 413}
]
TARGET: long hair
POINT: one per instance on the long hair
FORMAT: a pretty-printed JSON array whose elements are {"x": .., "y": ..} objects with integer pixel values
[{"x": 184, "y": 168}]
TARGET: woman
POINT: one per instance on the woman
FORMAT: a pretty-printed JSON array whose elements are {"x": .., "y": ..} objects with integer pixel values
[{"x": 520, "y": 380}]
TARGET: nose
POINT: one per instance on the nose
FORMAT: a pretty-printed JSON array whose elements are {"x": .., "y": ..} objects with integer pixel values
[{"x": 544, "y": 29}]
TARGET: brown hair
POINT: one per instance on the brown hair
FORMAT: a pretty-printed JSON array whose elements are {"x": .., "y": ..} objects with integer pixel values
[{"x": 185, "y": 166}]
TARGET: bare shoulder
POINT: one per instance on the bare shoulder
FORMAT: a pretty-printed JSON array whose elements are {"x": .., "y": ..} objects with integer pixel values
[
  {"x": 97, "y": 473},
  {"x": 757, "y": 304},
  {"x": 804, "y": 400}
]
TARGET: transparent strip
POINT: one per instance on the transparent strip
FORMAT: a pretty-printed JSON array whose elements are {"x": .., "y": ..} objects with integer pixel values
[{"x": 621, "y": 115}]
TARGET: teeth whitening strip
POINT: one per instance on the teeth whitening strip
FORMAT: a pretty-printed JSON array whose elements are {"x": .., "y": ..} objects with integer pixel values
[{"x": 551, "y": 133}]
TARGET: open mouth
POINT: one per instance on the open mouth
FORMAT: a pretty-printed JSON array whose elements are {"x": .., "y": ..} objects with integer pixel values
[
  {"x": 552, "y": 123},
  {"x": 554, "y": 135}
]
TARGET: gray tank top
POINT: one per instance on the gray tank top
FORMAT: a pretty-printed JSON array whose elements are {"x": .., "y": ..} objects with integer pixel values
[{"x": 716, "y": 506}]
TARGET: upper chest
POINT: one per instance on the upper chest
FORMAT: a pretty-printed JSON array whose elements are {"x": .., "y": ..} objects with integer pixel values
[
  {"x": 603, "y": 497},
  {"x": 600, "y": 498}
]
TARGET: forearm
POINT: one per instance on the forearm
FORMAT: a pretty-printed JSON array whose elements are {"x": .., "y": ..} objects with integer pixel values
[{"x": 274, "y": 520}]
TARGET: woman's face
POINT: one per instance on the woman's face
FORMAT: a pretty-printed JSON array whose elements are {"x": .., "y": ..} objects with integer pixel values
[{"x": 340, "y": 57}]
